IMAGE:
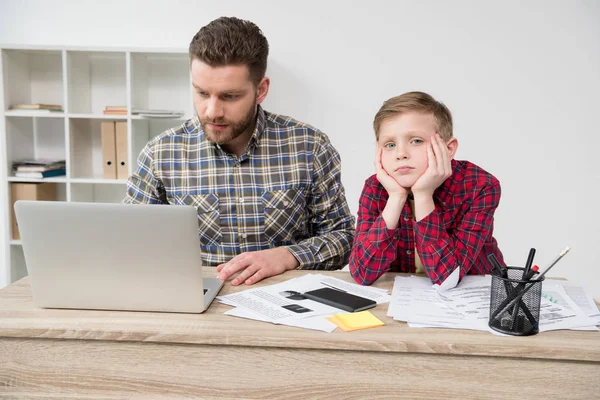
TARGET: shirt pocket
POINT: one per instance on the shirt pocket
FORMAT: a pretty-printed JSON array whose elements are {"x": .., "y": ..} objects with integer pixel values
[
  {"x": 284, "y": 215},
  {"x": 207, "y": 207}
]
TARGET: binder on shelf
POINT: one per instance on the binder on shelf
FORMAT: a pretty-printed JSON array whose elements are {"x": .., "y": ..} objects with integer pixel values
[
  {"x": 29, "y": 191},
  {"x": 122, "y": 150},
  {"x": 109, "y": 152}
]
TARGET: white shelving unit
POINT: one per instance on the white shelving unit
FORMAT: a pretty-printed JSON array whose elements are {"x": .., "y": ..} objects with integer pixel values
[{"x": 83, "y": 81}]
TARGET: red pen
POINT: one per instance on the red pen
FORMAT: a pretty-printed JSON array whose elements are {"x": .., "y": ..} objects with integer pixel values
[{"x": 534, "y": 270}]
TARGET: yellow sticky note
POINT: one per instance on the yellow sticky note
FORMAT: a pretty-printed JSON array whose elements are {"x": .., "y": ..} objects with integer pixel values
[
  {"x": 338, "y": 323},
  {"x": 357, "y": 320}
]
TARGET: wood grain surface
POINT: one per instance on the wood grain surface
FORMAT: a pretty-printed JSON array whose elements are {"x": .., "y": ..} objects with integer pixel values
[{"x": 70, "y": 354}]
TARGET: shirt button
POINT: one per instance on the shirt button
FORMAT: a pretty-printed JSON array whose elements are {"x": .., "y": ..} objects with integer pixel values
[
  {"x": 241, "y": 199},
  {"x": 286, "y": 203},
  {"x": 243, "y": 235},
  {"x": 405, "y": 219},
  {"x": 408, "y": 251},
  {"x": 444, "y": 203}
]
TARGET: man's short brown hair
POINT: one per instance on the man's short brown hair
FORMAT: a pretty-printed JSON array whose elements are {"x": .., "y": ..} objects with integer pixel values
[
  {"x": 232, "y": 41},
  {"x": 416, "y": 102}
]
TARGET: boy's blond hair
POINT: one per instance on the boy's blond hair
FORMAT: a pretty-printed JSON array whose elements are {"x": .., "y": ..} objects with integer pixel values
[{"x": 416, "y": 102}]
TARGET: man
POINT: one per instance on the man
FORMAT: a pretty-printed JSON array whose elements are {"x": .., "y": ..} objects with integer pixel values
[{"x": 267, "y": 188}]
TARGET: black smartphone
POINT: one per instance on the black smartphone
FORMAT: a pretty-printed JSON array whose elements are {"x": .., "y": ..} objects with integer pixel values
[{"x": 342, "y": 300}]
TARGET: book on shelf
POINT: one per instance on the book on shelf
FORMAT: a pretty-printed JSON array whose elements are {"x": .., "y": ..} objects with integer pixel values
[
  {"x": 37, "y": 106},
  {"x": 115, "y": 110},
  {"x": 44, "y": 174},
  {"x": 25, "y": 112},
  {"x": 38, "y": 165}
]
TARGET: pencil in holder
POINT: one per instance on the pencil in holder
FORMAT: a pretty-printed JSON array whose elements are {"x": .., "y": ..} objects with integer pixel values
[{"x": 515, "y": 304}]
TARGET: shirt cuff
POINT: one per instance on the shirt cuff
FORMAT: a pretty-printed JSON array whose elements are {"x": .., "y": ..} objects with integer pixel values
[
  {"x": 379, "y": 235},
  {"x": 429, "y": 229},
  {"x": 304, "y": 256}
]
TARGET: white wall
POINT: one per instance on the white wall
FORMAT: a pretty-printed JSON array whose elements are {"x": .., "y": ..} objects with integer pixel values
[{"x": 521, "y": 78}]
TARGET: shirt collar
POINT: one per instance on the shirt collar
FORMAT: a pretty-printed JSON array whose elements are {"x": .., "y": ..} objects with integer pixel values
[{"x": 259, "y": 128}]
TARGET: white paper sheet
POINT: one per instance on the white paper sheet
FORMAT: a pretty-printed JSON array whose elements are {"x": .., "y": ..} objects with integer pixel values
[
  {"x": 318, "y": 323},
  {"x": 283, "y": 303},
  {"x": 466, "y": 306},
  {"x": 558, "y": 311},
  {"x": 580, "y": 297}
]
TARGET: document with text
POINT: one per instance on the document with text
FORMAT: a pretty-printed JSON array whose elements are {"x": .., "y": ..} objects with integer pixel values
[
  {"x": 416, "y": 301},
  {"x": 284, "y": 303}
]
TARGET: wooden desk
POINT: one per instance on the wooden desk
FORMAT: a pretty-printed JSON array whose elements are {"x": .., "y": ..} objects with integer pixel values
[{"x": 64, "y": 354}]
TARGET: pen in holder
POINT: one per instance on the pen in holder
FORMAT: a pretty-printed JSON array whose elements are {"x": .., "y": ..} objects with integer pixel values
[{"x": 515, "y": 303}]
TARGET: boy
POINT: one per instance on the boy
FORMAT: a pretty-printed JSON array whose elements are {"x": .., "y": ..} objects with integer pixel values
[{"x": 423, "y": 211}]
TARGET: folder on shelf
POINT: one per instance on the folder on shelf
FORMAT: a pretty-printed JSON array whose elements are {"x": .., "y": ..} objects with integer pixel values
[
  {"x": 109, "y": 152},
  {"x": 122, "y": 150},
  {"x": 29, "y": 191}
]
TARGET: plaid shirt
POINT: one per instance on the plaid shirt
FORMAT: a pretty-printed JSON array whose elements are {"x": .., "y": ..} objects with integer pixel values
[
  {"x": 457, "y": 234},
  {"x": 285, "y": 190}
]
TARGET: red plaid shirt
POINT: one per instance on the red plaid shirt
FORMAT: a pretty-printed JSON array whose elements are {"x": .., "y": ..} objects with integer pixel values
[{"x": 458, "y": 233}]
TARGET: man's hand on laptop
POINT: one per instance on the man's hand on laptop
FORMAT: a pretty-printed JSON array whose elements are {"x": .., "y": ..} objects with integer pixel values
[{"x": 257, "y": 265}]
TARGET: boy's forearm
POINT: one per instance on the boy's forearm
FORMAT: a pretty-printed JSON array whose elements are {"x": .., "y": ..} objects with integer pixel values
[
  {"x": 392, "y": 211},
  {"x": 373, "y": 251},
  {"x": 435, "y": 247},
  {"x": 424, "y": 206},
  {"x": 442, "y": 252},
  {"x": 368, "y": 262}
]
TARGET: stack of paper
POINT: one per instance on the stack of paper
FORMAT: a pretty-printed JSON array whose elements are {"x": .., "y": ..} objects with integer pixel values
[
  {"x": 153, "y": 113},
  {"x": 355, "y": 321},
  {"x": 39, "y": 168},
  {"x": 284, "y": 303},
  {"x": 416, "y": 301}
]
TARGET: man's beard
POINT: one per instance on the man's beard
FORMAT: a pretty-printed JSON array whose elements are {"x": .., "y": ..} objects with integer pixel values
[{"x": 233, "y": 130}]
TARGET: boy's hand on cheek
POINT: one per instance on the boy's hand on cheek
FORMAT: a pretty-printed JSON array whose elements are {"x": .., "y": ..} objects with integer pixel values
[
  {"x": 438, "y": 170},
  {"x": 397, "y": 194},
  {"x": 389, "y": 184}
]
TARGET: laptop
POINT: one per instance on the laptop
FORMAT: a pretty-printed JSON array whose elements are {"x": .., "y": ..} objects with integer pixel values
[{"x": 114, "y": 256}]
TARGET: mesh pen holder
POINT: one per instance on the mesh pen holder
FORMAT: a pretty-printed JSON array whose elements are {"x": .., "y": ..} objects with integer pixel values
[{"x": 515, "y": 304}]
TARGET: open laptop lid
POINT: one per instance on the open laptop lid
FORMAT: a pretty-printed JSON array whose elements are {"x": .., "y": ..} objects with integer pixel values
[{"x": 113, "y": 256}]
